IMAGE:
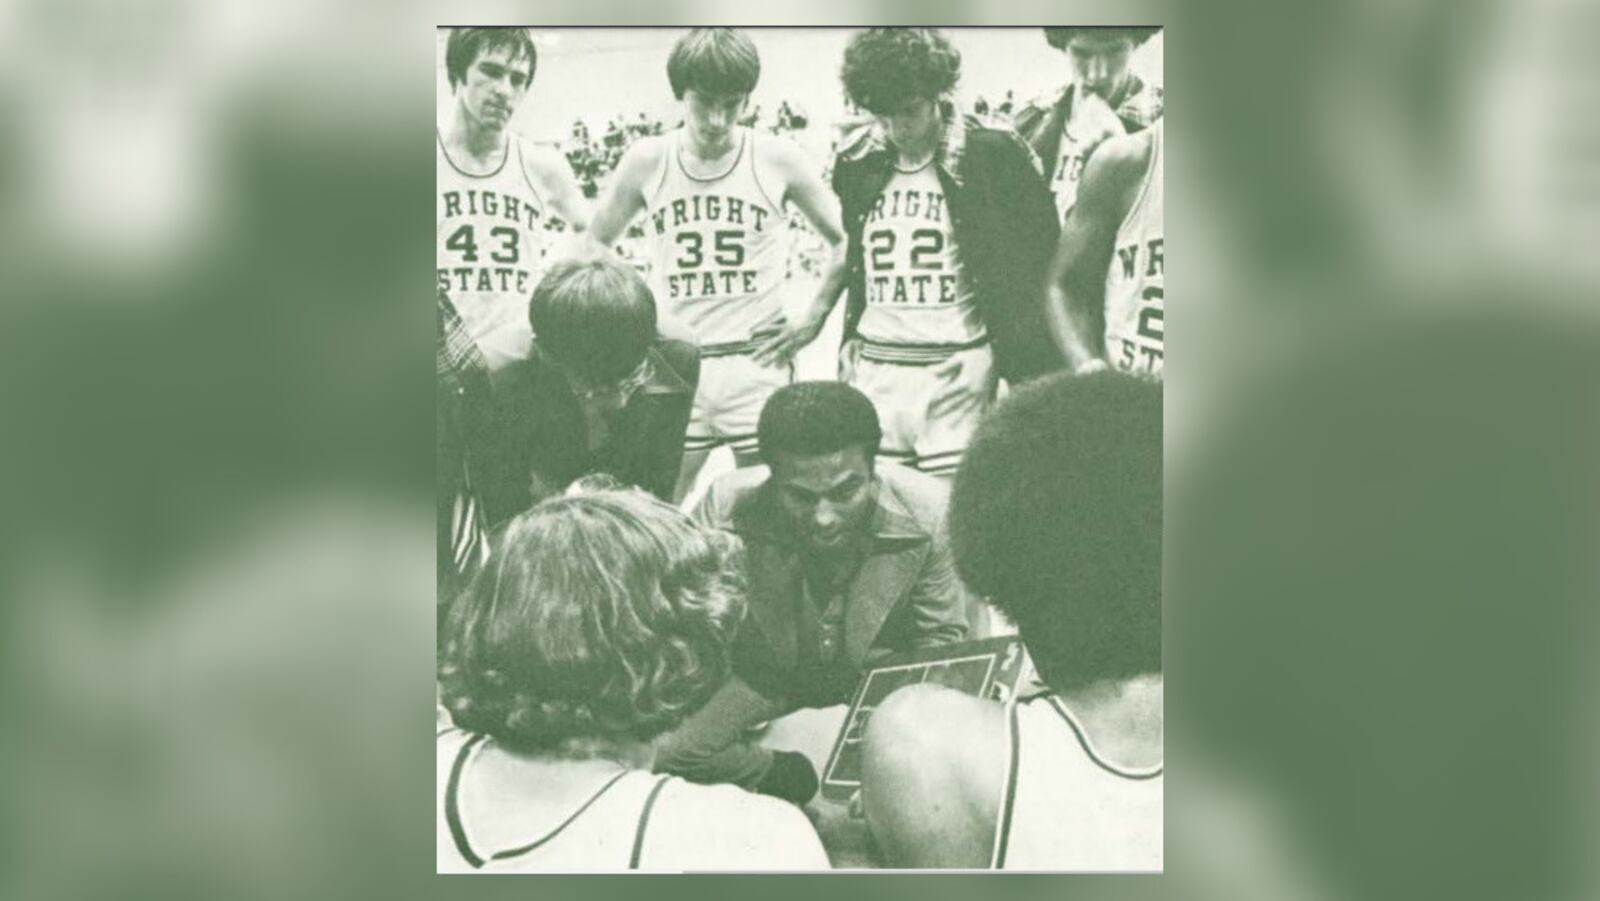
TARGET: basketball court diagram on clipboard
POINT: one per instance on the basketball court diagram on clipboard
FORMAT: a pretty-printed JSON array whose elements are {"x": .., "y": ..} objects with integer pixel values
[{"x": 989, "y": 668}]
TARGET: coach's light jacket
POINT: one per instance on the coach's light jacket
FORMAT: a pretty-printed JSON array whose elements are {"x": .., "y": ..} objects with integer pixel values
[{"x": 906, "y": 594}]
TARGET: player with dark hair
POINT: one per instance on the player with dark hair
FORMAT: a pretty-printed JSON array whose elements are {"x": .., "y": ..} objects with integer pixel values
[
  {"x": 604, "y": 619},
  {"x": 595, "y": 318},
  {"x": 848, "y": 563},
  {"x": 601, "y": 390},
  {"x": 1056, "y": 517},
  {"x": 1106, "y": 294},
  {"x": 1103, "y": 99},
  {"x": 496, "y": 190},
  {"x": 714, "y": 198},
  {"x": 950, "y": 229}
]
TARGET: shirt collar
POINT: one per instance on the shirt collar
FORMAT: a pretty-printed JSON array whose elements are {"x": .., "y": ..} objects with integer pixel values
[
  {"x": 861, "y": 137},
  {"x": 893, "y": 523},
  {"x": 655, "y": 375},
  {"x": 660, "y": 377}
]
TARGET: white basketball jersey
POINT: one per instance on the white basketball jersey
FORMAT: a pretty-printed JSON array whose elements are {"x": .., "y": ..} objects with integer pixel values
[
  {"x": 1068, "y": 808},
  {"x": 489, "y": 242},
  {"x": 1135, "y": 297},
  {"x": 719, "y": 247},
  {"x": 915, "y": 293},
  {"x": 1090, "y": 121}
]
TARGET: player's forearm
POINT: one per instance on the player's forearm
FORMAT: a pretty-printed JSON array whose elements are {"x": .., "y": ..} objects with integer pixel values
[
  {"x": 611, "y": 218},
  {"x": 835, "y": 277},
  {"x": 1070, "y": 326}
]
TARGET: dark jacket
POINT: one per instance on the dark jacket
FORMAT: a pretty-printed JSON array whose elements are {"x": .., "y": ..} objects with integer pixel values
[
  {"x": 539, "y": 437},
  {"x": 906, "y": 595},
  {"x": 1004, "y": 223},
  {"x": 462, "y": 408}
]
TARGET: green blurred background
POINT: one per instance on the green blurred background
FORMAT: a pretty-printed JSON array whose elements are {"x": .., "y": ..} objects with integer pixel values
[{"x": 1383, "y": 435}]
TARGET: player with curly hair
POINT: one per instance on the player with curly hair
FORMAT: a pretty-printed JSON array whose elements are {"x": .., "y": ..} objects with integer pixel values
[
  {"x": 1056, "y": 517},
  {"x": 1103, "y": 99},
  {"x": 603, "y": 620},
  {"x": 950, "y": 228}
]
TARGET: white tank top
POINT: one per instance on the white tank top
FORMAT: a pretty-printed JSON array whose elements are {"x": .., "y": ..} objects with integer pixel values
[
  {"x": 1066, "y": 807},
  {"x": 1090, "y": 121},
  {"x": 489, "y": 243},
  {"x": 719, "y": 248},
  {"x": 1135, "y": 295},
  {"x": 916, "y": 297},
  {"x": 608, "y": 831}
]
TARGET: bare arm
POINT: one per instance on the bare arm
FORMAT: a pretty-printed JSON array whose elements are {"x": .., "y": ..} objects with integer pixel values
[
  {"x": 1075, "y": 289},
  {"x": 815, "y": 201},
  {"x": 554, "y": 174},
  {"x": 624, "y": 199},
  {"x": 933, "y": 770}
]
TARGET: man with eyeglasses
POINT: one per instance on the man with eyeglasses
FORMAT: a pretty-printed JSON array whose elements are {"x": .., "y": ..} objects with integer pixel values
[{"x": 601, "y": 392}]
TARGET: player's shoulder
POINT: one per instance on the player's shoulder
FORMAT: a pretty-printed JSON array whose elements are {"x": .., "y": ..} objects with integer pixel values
[
  {"x": 727, "y": 827},
  {"x": 777, "y": 150},
  {"x": 542, "y": 161},
  {"x": 916, "y": 713},
  {"x": 649, "y": 149},
  {"x": 1120, "y": 157},
  {"x": 535, "y": 151},
  {"x": 730, "y": 805},
  {"x": 779, "y": 158},
  {"x": 930, "y": 739}
]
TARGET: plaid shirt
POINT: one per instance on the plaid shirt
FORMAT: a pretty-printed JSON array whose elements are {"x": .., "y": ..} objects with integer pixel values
[
  {"x": 457, "y": 359},
  {"x": 463, "y": 385},
  {"x": 1040, "y": 122}
]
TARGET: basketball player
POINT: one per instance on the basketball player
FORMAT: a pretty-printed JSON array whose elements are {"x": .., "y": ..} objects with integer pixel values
[
  {"x": 1056, "y": 517},
  {"x": 950, "y": 229},
  {"x": 1103, "y": 99},
  {"x": 496, "y": 191},
  {"x": 1106, "y": 295},
  {"x": 713, "y": 194}
]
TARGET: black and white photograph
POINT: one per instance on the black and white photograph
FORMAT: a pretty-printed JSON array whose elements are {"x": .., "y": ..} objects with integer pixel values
[{"x": 799, "y": 449}]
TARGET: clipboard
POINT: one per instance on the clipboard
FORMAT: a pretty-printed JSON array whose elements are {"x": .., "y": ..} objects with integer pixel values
[{"x": 990, "y": 668}]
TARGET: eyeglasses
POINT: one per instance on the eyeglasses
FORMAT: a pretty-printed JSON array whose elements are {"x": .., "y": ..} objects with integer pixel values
[{"x": 620, "y": 390}]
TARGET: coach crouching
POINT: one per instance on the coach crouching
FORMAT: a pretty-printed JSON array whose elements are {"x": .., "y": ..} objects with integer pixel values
[{"x": 848, "y": 563}]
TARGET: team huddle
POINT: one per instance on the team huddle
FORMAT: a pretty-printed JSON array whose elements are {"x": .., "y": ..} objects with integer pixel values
[{"x": 615, "y": 632}]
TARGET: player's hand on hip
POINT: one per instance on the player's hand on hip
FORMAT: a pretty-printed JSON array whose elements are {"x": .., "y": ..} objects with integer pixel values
[
  {"x": 849, "y": 353},
  {"x": 783, "y": 339},
  {"x": 772, "y": 343}
]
